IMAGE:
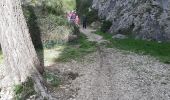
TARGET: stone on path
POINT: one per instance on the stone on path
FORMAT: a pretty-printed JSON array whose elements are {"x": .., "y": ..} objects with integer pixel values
[{"x": 119, "y": 36}]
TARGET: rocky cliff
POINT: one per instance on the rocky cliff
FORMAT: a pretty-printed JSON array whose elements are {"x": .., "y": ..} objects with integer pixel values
[{"x": 144, "y": 19}]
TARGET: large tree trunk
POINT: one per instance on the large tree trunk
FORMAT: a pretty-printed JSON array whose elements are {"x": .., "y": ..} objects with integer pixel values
[
  {"x": 19, "y": 53},
  {"x": 20, "y": 57}
]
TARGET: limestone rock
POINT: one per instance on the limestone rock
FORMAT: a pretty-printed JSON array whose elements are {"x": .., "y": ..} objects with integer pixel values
[
  {"x": 145, "y": 19},
  {"x": 119, "y": 36},
  {"x": 95, "y": 25}
]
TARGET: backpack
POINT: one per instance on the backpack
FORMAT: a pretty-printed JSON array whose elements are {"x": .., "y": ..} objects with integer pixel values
[{"x": 73, "y": 16}]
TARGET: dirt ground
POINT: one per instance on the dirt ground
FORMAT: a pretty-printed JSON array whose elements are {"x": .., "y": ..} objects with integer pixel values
[{"x": 111, "y": 74}]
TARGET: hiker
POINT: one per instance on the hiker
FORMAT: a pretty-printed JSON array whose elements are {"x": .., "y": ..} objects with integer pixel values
[
  {"x": 69, "y": 16},
  {"x": 77, "y": 20},
  {"x": 73, "y": 17},
  {"x": 84, "y": 21}
]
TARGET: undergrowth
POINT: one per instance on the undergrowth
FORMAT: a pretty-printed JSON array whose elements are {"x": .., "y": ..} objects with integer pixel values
[
  {"x": 105, "y": 26},
  {"x": 25, "y": 90},
  {"x": 77, "y": 49},
  {"x": 84, "y": 8},
  {"x": 69, "y": 5},
  {"x": 159, "y": 50},
  {"x": 53, "y": 7},
  {"x": 52, "y": 79}
]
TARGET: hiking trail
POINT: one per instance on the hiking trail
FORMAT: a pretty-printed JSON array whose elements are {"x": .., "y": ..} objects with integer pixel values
[{"x": 112, "y": 74}]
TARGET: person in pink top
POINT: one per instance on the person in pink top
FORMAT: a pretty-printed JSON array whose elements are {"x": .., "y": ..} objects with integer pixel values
[
  {"x": 77, "y": 20},
  {"x": 69, "y": 14},
  {"x": 73, "y": 17}
]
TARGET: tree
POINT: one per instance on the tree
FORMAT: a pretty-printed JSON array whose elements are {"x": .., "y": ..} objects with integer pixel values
[{"x": 20, "y": 57}]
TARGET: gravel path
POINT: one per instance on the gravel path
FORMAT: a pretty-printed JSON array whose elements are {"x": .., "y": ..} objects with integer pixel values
[
  {"x": 91, "y": 36},
  {"x": 111, "y": 74}
]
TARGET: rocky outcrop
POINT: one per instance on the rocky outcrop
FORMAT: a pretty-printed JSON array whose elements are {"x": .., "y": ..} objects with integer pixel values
[{"x": 145, "y": 19}]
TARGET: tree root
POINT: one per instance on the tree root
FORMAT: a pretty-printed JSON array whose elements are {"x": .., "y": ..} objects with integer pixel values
[{"x": 40, "y": 87}]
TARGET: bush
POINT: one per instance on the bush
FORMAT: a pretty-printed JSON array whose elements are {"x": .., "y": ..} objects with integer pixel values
[
  {"x": 83, "y": 7},
  {"x": 59, "y": 20},
  {"x": 53, "y": 7},
  {"x": 106, "y": 26},
  {"x": 92, "y": 16},
  {"x": 52, "y": 79},
  {"x": 25, "y": 90},
  {"x": 77, "y": 49},
  {"x": 47, "y": 23}
]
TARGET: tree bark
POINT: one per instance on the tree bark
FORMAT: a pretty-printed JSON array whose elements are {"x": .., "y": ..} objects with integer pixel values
[
  {"x": 20, "y": 57},
  {"x": 19, "y": 53}
]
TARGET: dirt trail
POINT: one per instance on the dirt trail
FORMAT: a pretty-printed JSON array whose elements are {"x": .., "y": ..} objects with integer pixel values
[
  {"x": 111, "y": 74},
  {"x": 92, "y": 37}
]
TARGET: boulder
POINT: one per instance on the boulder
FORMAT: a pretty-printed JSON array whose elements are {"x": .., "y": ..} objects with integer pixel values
[
  {"x": 145, "y": 19},
  {"x": 95, "y": 25},
  {"x": 119, "y": 36}
]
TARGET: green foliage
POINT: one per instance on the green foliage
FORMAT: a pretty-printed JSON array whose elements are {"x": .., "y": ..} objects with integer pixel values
[
  {"x": 57, "y": 20},
  {"x": 48, "y": 21},
  {"x": 153, "y": 48},
  {"x": 106, "y": 26},
  {"x": 52, "y": 79},
  {"x": 69, "y": 5},
  {"x": 25, "y": 90},
  {"x": 52, "y": 43},
  {"x": 58, "y": 28},
  {"x": 59, "y": 7},
  {"x": 18, "y": 89},
  {"x": 84, "y": 8},
  {"x": 92, "y": 16},
  {"x": 53, "y": 7},
  {"x": 49, "y": 44},
  {"x": 77, "y": 49}
]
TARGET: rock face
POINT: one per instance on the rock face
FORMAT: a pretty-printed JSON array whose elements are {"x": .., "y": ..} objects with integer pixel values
[{"x": 145, "y": 19}]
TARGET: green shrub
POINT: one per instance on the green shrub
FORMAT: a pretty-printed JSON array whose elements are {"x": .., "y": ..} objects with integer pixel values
[
  {"x": 49, "y": 44},
  {"x": 77, "y": 49},
  {"x": 52, "y": 79},
  {"x": 24, "y": 90},
  {"x": 53, "y": 7},
  {"x": 57, "y": 20},
  {"x": 69, "y": 5},
  {"x": 106, "y": 26},
  {"x": 47, "y": 24},
  {"x": 92, "y": 16},
  {"x": 84, "y": 8},
  {"x": 52, "y": 43}
]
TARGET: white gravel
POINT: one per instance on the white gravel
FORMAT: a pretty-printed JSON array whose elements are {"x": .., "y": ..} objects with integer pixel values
[{"x": 111, "y": 74}]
